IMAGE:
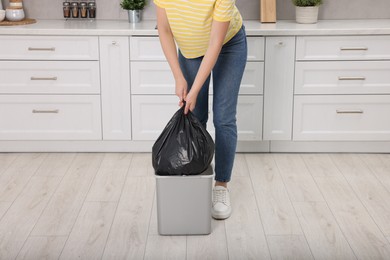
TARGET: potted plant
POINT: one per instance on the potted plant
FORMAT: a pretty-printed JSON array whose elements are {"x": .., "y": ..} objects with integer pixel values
[
  {"x": 306, "y": 11},
  {"x": 134, "y": 8}
]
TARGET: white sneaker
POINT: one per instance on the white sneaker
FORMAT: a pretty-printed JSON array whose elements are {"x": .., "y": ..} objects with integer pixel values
[{"x": 221, "y": 203}]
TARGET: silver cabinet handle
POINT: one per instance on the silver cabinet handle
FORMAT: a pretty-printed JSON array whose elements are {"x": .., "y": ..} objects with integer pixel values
[
  {"x": 349, "y": 111},
  {"x": 41, "y": 49},
  {"x": 353, "y": 48},
  {"x": 45, "y": 111},
  {"x": 352, "y": 78},
  {"x": 115, "y": 43},
  {"x": 39, "y": 78}
]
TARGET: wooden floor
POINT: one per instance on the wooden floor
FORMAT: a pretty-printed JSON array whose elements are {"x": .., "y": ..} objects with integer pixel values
[{"x": 285, "y": 206}]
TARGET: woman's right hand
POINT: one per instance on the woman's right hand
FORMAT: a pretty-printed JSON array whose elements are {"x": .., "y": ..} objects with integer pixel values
[{"x": 181, "y": 90}]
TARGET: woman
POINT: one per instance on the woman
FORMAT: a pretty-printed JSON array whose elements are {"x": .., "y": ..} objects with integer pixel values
[{"x": 210, "y": 37}]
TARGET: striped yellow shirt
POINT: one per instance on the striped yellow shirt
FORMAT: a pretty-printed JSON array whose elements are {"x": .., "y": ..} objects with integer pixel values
[{"x": 190, "y": 22}]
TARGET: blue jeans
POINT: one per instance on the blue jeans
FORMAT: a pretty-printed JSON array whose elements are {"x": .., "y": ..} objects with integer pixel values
[{"x": 227, "y": 75}]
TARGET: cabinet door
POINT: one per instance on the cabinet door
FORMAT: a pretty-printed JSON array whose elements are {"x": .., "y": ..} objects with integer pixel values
[
  {"x": 151, "y": 113},
  {"x": 278, "y": 88},
  {"x": 115, "y": 84},
  {"x": 249, "y": 118}
]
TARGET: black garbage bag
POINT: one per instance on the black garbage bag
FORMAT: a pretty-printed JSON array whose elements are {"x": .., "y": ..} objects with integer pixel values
[{"x": 183, "y": 148}]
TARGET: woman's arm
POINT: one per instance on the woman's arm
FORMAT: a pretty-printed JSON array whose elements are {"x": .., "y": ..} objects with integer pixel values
[
  {"x": 170, "y": 52},
  {"x": 217, "y": 36}
]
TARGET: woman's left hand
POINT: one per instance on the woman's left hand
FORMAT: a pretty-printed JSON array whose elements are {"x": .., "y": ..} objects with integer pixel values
[{"x": 190, "y": 101}]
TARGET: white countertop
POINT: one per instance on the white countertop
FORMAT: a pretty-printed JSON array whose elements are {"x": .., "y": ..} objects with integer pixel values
[{"x": 253, "y": 27}]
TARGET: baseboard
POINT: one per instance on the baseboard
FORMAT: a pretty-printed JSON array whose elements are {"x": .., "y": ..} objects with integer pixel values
[{"x": 242, "y": 146}]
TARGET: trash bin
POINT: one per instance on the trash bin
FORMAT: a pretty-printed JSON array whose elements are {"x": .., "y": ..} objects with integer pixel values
[{"x": 184, "y": 204}]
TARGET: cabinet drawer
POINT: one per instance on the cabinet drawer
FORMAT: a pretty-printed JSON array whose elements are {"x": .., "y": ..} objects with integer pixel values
[
  {"x": 38, "y": 77},
  {"x": 146, "y": 48},
  {"x": 55, "y": 117},
  {"x": 49, "y": 48},
  {"x": 342, "y": 77},
  {"x": 343, "y": 47},
  {"x": 342, "y": 118},
  {"x": 249, "y": 118},
  {"x": 157, "y": 78},
  {"x": 152, "y": 113},
  {"x": 149, "y": 48},
  {"x": 255, "y": 48}
]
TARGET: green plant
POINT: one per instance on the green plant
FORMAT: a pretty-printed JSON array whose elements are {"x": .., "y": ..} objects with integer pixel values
[
  {"x": 307, "y": 2},
  {"x": 133, "y": 4}
]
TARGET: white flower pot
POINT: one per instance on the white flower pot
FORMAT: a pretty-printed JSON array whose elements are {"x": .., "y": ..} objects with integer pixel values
[
  {"x": 307, "y": 14},
  {"x": 135, "y": 16}
]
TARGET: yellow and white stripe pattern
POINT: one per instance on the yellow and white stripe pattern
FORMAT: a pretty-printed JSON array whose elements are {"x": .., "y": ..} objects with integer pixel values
[{"x": 190, "y": 22}]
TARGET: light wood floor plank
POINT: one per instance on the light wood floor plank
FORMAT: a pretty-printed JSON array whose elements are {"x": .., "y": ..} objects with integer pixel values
[
  {"x": 165, "y": 248},
  {"x": 379, "y": 165},
  {"x": 277, "y": 213},
  {"x": 4, "y": 206},
  {"x": 322, "y": 232},
  {"x": 129, "y": 230},
  {"x": 374, "y": 196},
  {"x": 359, "y": 229},
  {"x": 64, "y": 207},
  {"x": 55, "y": 164},
  {"x": 109, "y": 181},
  {"x": 289, "y": 247},
  {"x": 240, "y": 167},
  {"x": 210, "y": 247},
  {"x": 38, "y": 248},
  {"x": 244, "y": 230},
  {"x": 141, "y": 165},
  {"x": 16, "y": 176},
  {"x": 299, "y": 183},
  {"x": 21, "y": 217},
  {"x": 90, "y": 232},
  {"x": 6, "y": 159}
]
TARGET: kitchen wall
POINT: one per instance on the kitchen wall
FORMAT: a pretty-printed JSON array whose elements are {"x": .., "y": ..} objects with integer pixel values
[{"x": 331, "y": 9}]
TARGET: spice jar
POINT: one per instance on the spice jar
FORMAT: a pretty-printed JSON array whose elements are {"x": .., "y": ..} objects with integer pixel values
[
  {"x": 83, "y": 10},
  {"x": 92, "y": 10},
  {"x": 66, "y": 9},
  {"x": 75, "y": 9}
]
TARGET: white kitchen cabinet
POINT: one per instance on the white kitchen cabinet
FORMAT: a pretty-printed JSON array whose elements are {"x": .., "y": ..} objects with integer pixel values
[
  {"x": 342, "y": 77},
  {"x": 115, "y": 85},
  {"x": 49, "y": 48},
  {"x": 278, "y": 88},
  {"x": 51, "y": 77},
  {"x": 50, "y": 117},
  {"x": 343, "y": 47},
  {"x": 255, "y": 48},
  {"x": 249, "y": 118},
  {"x": 146, "y": 48},
  {"x": 341, "y": 88},
  {"x": 150, "y": 114},
  {"x": 151, "y": 78},
  {"x": 50, "y": 88},
  {"x": 342, "y": 118},
  {"x": 156, "y": 78}
]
